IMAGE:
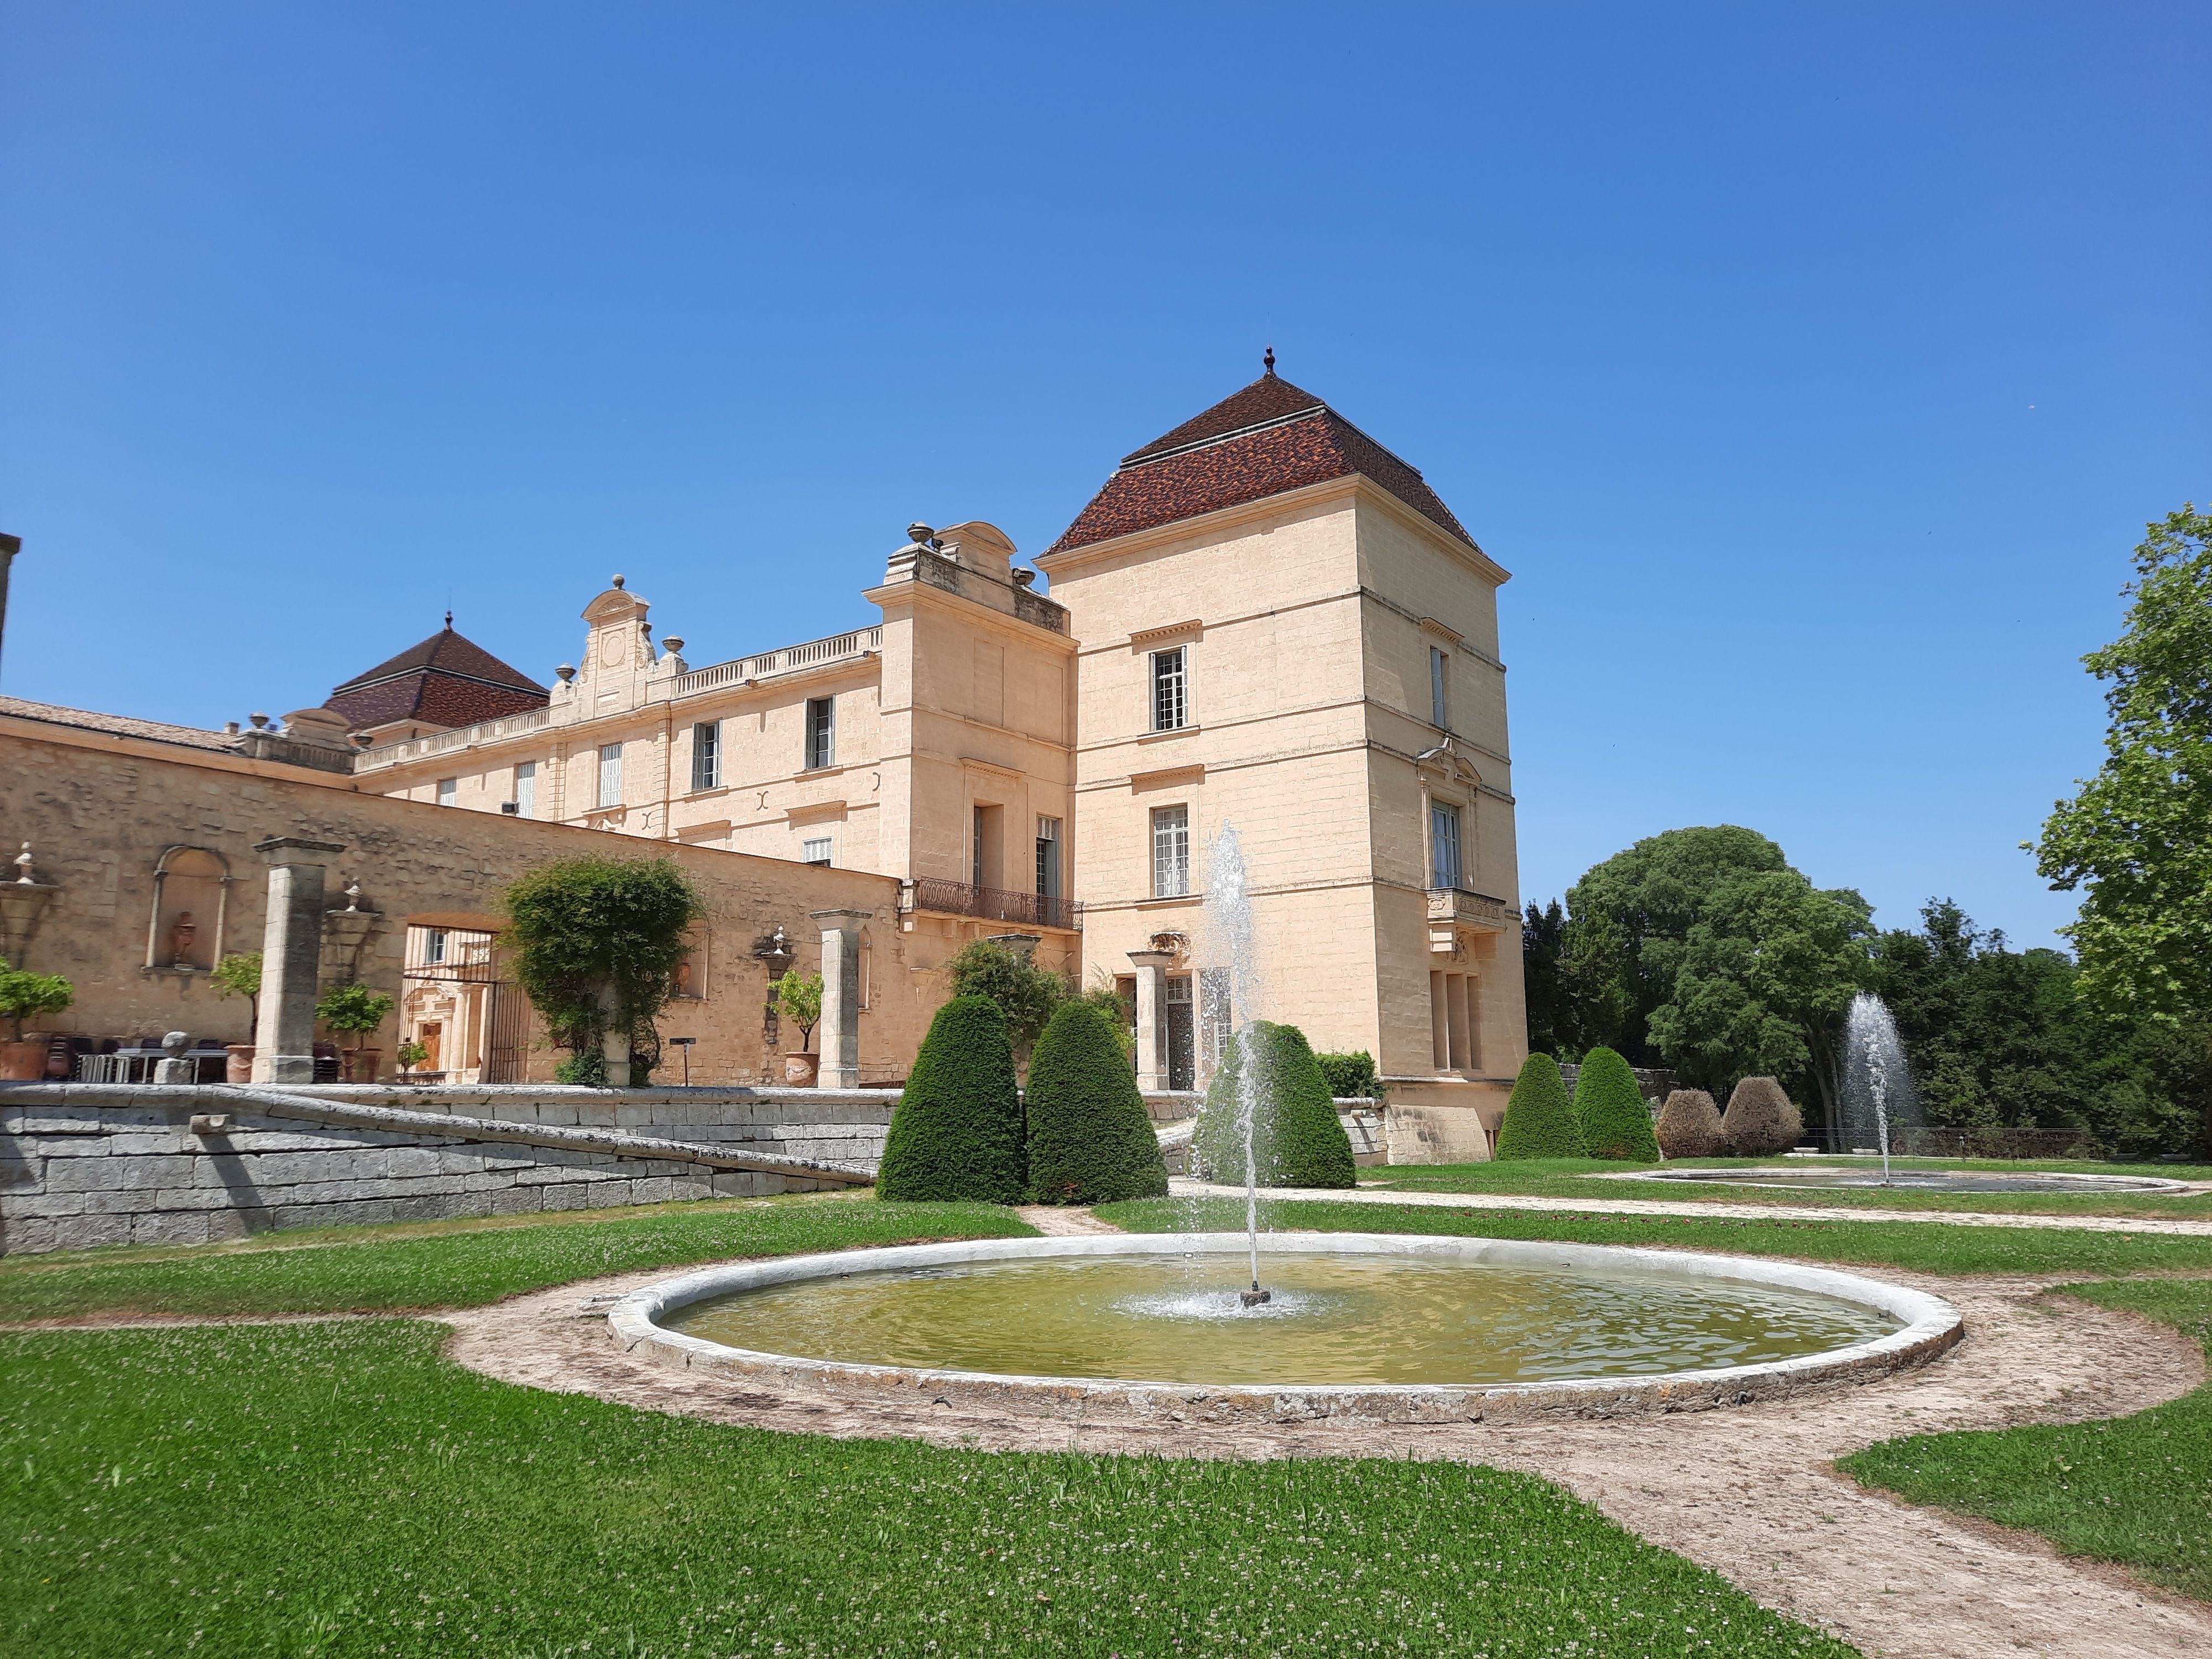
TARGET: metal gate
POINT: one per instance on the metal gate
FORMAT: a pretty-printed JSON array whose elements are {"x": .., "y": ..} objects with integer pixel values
[{"x": 498, "y": 1040}]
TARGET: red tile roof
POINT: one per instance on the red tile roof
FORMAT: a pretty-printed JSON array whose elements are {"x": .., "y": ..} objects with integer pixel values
[
  {"x": 120, "y": 725},
  {"x": 1267, "y": 439},
  {"x": 447, "y": 680}
]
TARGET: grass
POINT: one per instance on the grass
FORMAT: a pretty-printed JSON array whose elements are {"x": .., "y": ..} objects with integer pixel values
[
  {"x": 1909, "y": 1244},
  {"x": 1586, "y": 1178},
  {"x": 338, "y": 1490},
  {"x": 2135, "y": 1490},
  {"x": 464, "y": 1264}
]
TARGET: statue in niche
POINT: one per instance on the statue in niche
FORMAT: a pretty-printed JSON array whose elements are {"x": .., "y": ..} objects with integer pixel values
[
  {"x": 684, "y": 977},
  {"x": 181, "y": 935}
]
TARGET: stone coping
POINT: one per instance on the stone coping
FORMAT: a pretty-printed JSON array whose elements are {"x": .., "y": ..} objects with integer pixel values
[
  {"x": 1931, "y": 1325},
  {"x": 2108, "y": 1183}
]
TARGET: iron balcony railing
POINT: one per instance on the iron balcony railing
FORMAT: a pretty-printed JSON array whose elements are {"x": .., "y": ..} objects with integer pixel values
[{"x": 958, "y": 898}]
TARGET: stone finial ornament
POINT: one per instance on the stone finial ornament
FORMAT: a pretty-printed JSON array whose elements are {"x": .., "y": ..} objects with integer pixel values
[
  {"x": 674, "y": 642},
  {"x": 616, "y": 579},
  {"x": 566, "y": 672},
  {"x": 26, "y": 872},
  {"x": 260, "y": 721}
]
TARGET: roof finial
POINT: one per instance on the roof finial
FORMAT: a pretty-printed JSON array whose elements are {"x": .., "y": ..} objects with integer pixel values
[
  {"x": 449, "y": 622},
  {"x": 1270, "y": 360}
]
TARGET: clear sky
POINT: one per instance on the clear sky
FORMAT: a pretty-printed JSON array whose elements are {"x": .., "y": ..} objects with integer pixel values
[{"x": 1813, "y": 368}]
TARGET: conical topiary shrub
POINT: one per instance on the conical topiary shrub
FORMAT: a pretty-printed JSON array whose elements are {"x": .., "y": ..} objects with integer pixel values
[
  {"x": 1610, "y": 1109},
  {"x": 1690, "y": 1125},
  {"x": 1091, "y": 1139},
  {"x": 1297, "y": 1139},
  {"x": 1539, "y": 1121},
  {"x": 957, "y": 1130},
  {"x": 1760, "y": 1119}
]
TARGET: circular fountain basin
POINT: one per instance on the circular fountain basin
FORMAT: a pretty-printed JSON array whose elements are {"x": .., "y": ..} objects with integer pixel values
[
  {"x": 1361, "y": 1326},
  {"x": 1830, "y": 1177}
]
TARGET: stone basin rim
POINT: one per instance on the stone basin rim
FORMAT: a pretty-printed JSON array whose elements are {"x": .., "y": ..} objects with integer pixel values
[{"x": 1930, "y": 1327}]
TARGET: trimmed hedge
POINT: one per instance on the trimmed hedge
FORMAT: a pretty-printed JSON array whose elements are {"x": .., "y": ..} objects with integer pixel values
[
  {"x": 1760, "y": 1119},
  {"x": 1297, "y": 1139},
  {"x": 1091, "y": 1139},
  {"x": 1615, "y": 1122},
  {"x": 1690, "y": 1125},
  {"x": 1351, "y": 1077},
  {"x": 1539, "y": 1121},
  {"x": 957, "y": 1132}
]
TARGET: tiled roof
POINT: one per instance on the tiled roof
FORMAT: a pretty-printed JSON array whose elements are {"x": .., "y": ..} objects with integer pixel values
[
  {"x": 1267, "y": 439},
  {"x": 447, "y": 680},
  {"x": 120, "y": 725}
]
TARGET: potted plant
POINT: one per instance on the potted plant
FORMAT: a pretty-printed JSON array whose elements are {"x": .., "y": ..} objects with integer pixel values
[
  {"x": 239, "y": 976},
  {"x": 411, "y": 1055},
  {"x": 354, "y": 1010},
  {"x": 798, "y": 996},
  {"x": 26, "y": 996}
]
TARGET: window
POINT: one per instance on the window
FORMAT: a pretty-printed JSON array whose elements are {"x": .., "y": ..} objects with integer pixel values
[
  {"x": 1170, "y": 691},
  {"x": 816, "y": 851},
  {"x": 446, "y": 789},
  {"x": 1170, "y": 852},
  {"x": 1444, "y": 845},
  {"x": 707, "y": 755},
  {"x": 1439, "y": 688},
  {"x": 820, "y": 732},
  {"x": 1048, "y": 858},
  {"x": 610, "y": 775},
  {"x": 525, "y": 789},
  {"x": 433, "y": 947}
]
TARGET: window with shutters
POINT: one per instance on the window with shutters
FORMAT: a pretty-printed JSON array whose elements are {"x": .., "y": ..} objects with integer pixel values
[
  {"x": 816, "y": 851},
  {"x": 525, "y": 789},
  {"x": 821, "y": 732},
  {"x": 446, "y": 787},
  {"x": 1439, "y": 688},
  {"x": 707, "y": 755},
  {"x": 1444, "y": 845},
  {"x": 610, "y": 775},
  {"x": 1048, "y": 858}
]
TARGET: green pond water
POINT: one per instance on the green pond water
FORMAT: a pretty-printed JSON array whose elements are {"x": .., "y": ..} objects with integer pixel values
[{"x": 1334, "y": 1319}]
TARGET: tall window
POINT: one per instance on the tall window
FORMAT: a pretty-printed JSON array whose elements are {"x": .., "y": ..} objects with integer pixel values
[
  {"x": 707, "y": 755},
  {"x": 1170, "y": 691},
  {"x": 1170, "y": 852},
  {"x": 820, "y": 732},
  {"x": 525, "y": 789},
  {"x": 446, "y": 789},
  {"x": 434, "y": 948},
  {"x": 1048, "y": 858},
  {"x": 1444, "y": 845},
  {"x": 610, "y": 775},
  {"x": 1439, "y": 688},
  {"x": 816, "y": 851}
]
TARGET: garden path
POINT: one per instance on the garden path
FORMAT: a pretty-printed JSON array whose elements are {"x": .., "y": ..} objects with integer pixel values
[
  {"x": 1180, "y": 1187},
  {"x": 1747, "y": 1492}
]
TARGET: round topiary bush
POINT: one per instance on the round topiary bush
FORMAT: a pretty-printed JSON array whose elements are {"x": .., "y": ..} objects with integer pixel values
[
  {"x": 1297, "y": 1140},
  {"x": 1760, "y": 1119},
  {"x": 1539, "y": 1121},
  {"x": 1615, "y": 1122},
  {"x": 1091, "y": 1139},
  {"x": 1690, "y": 1125},
  {"x": 957, "y": 1130}
]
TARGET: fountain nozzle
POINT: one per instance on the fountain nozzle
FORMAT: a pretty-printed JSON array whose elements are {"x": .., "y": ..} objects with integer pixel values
[{"x": 1256, "y": 1296}]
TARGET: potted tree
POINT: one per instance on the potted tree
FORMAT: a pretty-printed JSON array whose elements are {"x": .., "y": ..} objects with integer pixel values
[
  {"x": 411, "y": 1055},
  {"x": 354, "y": 1010},
  {"x": 26, "y": 996},
  {"x": 239, "y": 976},
  {"x": 799, "y": 997}
]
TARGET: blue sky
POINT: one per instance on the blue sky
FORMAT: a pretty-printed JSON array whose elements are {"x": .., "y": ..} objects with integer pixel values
[{"x": 1812, "y": 368}]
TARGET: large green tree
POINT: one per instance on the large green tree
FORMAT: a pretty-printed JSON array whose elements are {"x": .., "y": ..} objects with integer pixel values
[
  {"x": 594, "y": 943},
  {"x": 2138, "y": 835},
  {"x": 1575, "y": 975}
]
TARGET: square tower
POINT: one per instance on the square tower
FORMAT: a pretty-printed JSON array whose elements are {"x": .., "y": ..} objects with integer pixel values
[{"x": 1286, "y": 631}]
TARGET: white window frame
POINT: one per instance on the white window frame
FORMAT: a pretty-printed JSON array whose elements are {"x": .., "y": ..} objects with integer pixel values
[
  {"x": 818, "y": 850},
  {"x": 1447, "y": 846},
  {"x": 1048, "y": 857},
  {"x": 1170, "y": 688},
  {"x": 447, "y": 789},
  {"x": 821, "y": 733},
  {"x": 707, "y": 755},
  {"x": 1170, "y": 852},
  {"x": 610, "y": 775},
  {"x": 525, "y": 789}
]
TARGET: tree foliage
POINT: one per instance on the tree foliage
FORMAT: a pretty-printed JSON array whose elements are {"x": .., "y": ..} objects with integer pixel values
[
  {"x": 239, "y": 976},
  {"x": 1761, "y": 1119},
  {"x": 1091, "y": 1139},
  {"x": 957, "y": 1132},
  {"x": 1574, "y": 972},
  {"x": 1540, "y": 1123},
  {"x": 798, "y": 999},
  {"x": 25, "y": 995},
  {"x": 2138, "y": 835},
  {"x": 1026, "y": 994},
  {"x": 1297, "y": 1139},
  {"x": 354, "y": 1009},
  {"x": 1609, "y": 1110},
  {"x": 594, "y": 944},
  {"x": 1690, "y": 1125},
  {"x": 1352, "y": 1076}
]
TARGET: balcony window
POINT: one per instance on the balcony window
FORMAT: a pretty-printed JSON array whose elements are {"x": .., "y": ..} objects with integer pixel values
[
  {"x": 1170, "y": 852},
  {"x": 707, "y": 755},
  {"x": 1444, "y": 845},
  {"x": 816, "y": 851},
  {"x": 1439, "y": 688},
  {"x": 446, "y": 789},
  {"x": 525, "y": 789},
  {"x": 1170, "y": 691},
  {"x": 610, "y": 775},
  {"x": 1048, "y": 858},
  {"x": 821, "y": 732}
]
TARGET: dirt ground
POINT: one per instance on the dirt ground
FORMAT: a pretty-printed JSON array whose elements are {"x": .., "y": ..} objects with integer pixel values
[{"x": 1747, "y": 1492}]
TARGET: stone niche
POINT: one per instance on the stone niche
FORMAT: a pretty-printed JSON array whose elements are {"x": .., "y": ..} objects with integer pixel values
[{"x": 191, "y": 893}]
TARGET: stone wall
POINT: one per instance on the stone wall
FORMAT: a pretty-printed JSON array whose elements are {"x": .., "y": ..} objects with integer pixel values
[{"x": 84, "y": 1164}]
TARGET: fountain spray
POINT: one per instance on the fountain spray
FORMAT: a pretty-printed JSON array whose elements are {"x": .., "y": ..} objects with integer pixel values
[
  {"x": 1878, "y": 1092},
  {"x": 1228, "y": 917}
]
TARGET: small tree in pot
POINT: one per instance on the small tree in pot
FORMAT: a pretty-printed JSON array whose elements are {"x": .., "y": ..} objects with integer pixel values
[
  {"x": 798, "y": 999},
  {"x": 354, "y": 1010},
  {"x": 26, "y": 996},
  {"x": 239, "y": 976}
]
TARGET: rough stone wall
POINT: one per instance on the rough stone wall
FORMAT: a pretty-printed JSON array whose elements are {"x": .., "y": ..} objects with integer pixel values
[{"x": 87, "y": 1165}]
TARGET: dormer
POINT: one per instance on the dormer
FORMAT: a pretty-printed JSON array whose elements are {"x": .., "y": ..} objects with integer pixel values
[{"x": 618, "y": 654}]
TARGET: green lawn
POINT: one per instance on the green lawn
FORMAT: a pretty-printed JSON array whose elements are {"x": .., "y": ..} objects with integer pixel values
[
  {"x": 335, "y": 1489},
  {"x": 1586, "y": 1177},
  {"x": 2137, "y": 1489},
  {"x": 1949, "y": 1248},
  {"x": 466, "y": 1264}
]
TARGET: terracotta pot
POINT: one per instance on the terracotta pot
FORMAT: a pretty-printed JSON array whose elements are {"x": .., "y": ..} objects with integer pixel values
[
  {"x": 345, "y": 1064},
  {"x": 366, "y": 1063},
  {"x": 799, "y": 1071},
  {"x": 24, "y": 1061},
  {"x": 238, "y": 1062}
]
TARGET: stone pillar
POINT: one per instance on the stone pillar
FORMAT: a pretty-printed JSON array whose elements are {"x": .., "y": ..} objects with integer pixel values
[
  {"x": 614, "y": 1048},
  {"x": 291, "y": 951},
  {"x": 840, "y": 996},
  {"x": 1152, "y": 1017}
]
